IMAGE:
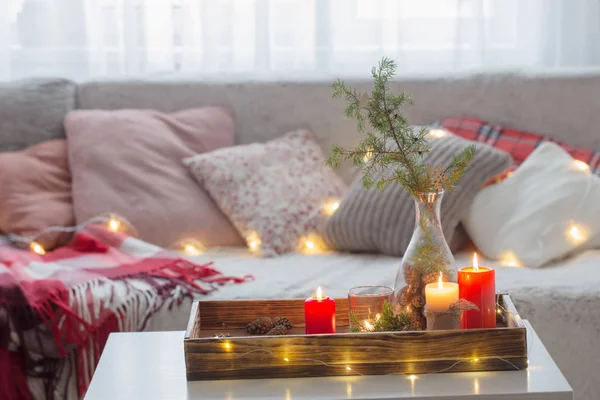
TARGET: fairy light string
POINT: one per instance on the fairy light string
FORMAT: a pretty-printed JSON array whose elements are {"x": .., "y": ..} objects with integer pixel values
[
  {"x": 112, "y": 222},
  {"x": 472, "y": 360}
]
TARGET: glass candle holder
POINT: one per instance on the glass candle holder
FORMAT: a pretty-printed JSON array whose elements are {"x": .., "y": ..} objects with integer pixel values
[{"x": 365, "y": 304}]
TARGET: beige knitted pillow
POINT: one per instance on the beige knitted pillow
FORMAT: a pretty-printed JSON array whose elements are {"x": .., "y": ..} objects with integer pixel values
[{"x": 369, "y": 220}]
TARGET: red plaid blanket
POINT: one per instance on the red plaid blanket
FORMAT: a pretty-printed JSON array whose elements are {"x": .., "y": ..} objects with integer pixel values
[
  {"x": 71, "y": 299},
  {"x": 520, "y": 144}
]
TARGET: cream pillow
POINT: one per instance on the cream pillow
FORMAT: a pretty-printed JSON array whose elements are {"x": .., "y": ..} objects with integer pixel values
[{"x": 547, "y": 209}]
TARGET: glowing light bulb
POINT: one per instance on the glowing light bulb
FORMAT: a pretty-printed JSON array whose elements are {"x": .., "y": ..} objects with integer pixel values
[
  {"x": 368, "y": 326},
  {"x": 319, "y": 293},
  {"x": 580, "y": 165},
  {"x": 438, "y": 133},
  {"x": 113, "y": 224},
  {"x": 440, "y": 282},
  {"x": 576, "y": 233},
  {"x": 475, "y": 263},
  {"x": 508, "y": 258},
  {"x": 37, "y": 248},
  {"x": 191, "y": 250},
  {"x": 117, "y": 224},
  {"x": 330, "y": 207},
  {"x": 189, "y": 246},
  {"x": 349, "y": 369},
  {"x": 286, "y": 359},
  {"x": 227, "y": 345},
  {"x": 476, "y": 360},
  {"x": 368, "y": 155},
  {"x": 311, "y": 244},
  {"x": 253, "y": 242}
]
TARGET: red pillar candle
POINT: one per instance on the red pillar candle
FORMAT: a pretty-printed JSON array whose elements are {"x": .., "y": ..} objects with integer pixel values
[
  {"x": 319, "y": 314},
  {"x": 478, "y": 285}
]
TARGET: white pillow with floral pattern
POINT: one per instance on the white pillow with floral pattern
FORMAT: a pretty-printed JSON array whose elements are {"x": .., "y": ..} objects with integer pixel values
[{"x": 274, "y": 193}]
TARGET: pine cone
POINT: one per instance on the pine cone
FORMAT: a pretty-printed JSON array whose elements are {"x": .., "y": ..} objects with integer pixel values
[
  {"x": 278, "y": 330},
  {"x": 403, "y": 297},
  {"x": 417, "y": 321},
  {"x": 414, "y": 289},
  {"x": 282, "y": 321},
  {"x": 411, "y": 276},
  {"x": 417, "y": 301},
  {"x": 260, "y": 326}
]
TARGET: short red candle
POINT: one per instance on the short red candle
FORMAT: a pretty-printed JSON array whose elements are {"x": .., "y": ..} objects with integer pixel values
[
  {"x": 478, "y": 285},
  {"x": 319, "y": 314}
]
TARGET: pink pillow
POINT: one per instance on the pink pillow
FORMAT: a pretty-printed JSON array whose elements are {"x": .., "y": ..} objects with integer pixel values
[
  {"x": 273, "y": 192},
  {"x": 129, "y": 162},
  {"x": 35, "y": 191}
]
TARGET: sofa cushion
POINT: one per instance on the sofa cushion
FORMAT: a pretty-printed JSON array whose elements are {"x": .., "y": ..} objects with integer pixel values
[
  {"x": 274, "y": 193},
  {"x": 371, "y": 220},
  {"x": 36, "y": 192},
  {"x": 562, "y": 103},
  {"x": 129, "y": 162},
  {"x": 545, "y": 210},
  {"x": 32, "y": 111}
]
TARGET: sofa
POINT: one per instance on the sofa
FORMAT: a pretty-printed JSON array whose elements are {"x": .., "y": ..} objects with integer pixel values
[{"x": 562, "y": 300}]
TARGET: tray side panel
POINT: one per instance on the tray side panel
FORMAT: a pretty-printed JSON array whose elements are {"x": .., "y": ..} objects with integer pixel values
[
  {"x": 371, "y": 353},
  {"x": 408, "y": 367},
  {"x": 233, "y": 314}
]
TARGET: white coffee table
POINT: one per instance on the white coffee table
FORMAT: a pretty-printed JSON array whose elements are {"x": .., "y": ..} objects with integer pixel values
[{"x": 151, "y": 366}]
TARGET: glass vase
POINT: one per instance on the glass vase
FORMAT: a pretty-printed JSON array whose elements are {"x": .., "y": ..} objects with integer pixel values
[{"x": 426, "y": 256}]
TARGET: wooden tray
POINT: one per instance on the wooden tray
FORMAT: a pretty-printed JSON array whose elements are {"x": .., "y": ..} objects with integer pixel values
[{"x": 242, "y": 356}]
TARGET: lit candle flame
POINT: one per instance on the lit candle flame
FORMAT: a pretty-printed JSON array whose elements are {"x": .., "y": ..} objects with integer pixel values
[
  {"x": 319, "y": 293},
  {"x": 440, "y": 282},
  {"x": 475, "y": 263}
]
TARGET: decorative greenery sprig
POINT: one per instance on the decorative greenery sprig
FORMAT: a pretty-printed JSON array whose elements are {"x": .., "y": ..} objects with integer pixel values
[
  {"x": 387, "y": 322},
  {"x": 390, "y": 143}
]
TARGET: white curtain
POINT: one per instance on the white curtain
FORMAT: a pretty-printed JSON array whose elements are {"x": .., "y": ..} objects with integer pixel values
[{"x": 278, "y": 39}]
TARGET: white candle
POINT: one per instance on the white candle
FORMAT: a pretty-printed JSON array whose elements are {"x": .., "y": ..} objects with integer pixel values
[{"x": 439, "y": 296}]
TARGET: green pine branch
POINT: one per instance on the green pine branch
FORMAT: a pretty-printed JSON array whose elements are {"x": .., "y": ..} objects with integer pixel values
[
  {"x": 389, "y": 142},
  {"x": 387, "y": 322}
]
